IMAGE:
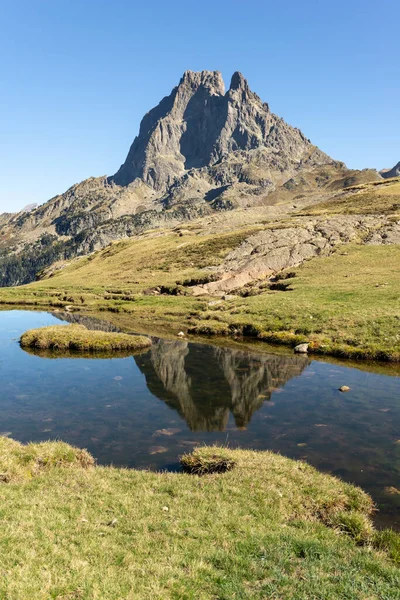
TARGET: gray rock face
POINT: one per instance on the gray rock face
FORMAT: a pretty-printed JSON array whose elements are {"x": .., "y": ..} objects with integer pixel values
[
  {"x": 200, "y": 148},
  {"x": 395, "y": 172},
  {"x": 198, "y": 125},
  {"x": 268, "y": 252}
]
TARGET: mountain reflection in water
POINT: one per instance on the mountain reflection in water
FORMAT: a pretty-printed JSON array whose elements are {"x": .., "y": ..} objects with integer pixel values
[
  {"x": 204, "y": 384},
  {"x": 233, "y": 381},
  {"x": 145, "y": 411}
]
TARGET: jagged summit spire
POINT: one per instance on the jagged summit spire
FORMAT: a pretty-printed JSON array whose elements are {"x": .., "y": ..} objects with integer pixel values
[
  {"x": 209, "y": 79},
  {"x": 238, "y": 82}
]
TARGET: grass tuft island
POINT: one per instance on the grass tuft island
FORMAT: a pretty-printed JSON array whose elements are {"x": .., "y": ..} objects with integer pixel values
[
  {"x": 80, "y": 339},
  {"x": 268, "y": 527}
]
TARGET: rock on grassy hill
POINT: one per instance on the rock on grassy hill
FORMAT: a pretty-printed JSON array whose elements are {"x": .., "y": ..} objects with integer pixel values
[{"x": 201, "y": 151}]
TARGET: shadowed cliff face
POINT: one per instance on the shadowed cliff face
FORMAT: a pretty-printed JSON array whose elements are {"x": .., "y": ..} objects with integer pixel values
[
  {"x": 395, "y": 172},
  {"x": 174, "y": 372}
]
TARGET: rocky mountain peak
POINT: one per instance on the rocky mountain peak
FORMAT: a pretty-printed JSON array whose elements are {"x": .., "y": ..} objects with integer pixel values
[
  {"x": 202, "y": 150},
  {"x": 198, "y": 125},
  {"x": 238, "y": 82},
  {"x": 30, "y": 207}
]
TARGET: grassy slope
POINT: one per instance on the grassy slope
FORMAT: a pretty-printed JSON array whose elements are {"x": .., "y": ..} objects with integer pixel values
[
  {"x": 115, "y": 278},
  {"x": 270, "y": 528},
  {"x": 376, "y": 197},
  {"x": 347, "y": 304},
  {"x": 131, "y": 267}
]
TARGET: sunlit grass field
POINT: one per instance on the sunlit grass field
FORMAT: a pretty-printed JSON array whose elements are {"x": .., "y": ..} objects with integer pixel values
[
  {"x": 270, "y": 527},
  {"x": 347, "y": 304}
]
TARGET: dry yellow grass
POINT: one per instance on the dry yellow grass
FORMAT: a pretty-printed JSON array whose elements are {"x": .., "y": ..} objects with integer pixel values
[{"x": 370, "y": 198}]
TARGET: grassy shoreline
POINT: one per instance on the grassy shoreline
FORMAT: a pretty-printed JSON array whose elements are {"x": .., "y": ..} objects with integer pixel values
[
  {"x": 346, "y": 305},
  {"x": 237, "y": 331},
  {"x": 268, "y": 527}
]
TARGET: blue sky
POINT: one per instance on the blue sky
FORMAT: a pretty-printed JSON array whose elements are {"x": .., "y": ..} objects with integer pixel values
[{"x": 76, "y": 77}]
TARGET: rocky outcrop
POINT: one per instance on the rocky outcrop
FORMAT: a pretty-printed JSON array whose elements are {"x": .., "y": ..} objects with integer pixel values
[
  {"x": 84, "y": 206},
  {"x": 5, "y": 218},
  {"x": 270, "y": 251},
  {"x": 395, "y": 172}
]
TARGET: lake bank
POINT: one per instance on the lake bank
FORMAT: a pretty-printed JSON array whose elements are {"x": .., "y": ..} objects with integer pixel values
[
  {"x": 144, "y": 411},
  {"x": 270, "y": 526},
  {"x": 345, "y": 305}
]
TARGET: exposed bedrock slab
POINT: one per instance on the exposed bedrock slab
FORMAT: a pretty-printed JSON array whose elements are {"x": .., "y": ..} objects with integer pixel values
[{"x": 264, "y": 254}]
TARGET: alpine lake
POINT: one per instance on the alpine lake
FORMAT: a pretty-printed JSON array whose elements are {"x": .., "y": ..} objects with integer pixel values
[{"x": 146, "y": 410}]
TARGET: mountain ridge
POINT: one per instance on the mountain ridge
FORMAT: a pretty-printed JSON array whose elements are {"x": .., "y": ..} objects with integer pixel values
[{"x": 200, "y": 151}]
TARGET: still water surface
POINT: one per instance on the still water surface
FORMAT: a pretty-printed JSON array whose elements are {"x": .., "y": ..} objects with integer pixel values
[{"x": 144, "y": 411}]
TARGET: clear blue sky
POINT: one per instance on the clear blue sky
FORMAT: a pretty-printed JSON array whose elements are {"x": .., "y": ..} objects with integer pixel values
[{"x": 76, "y": 77}]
